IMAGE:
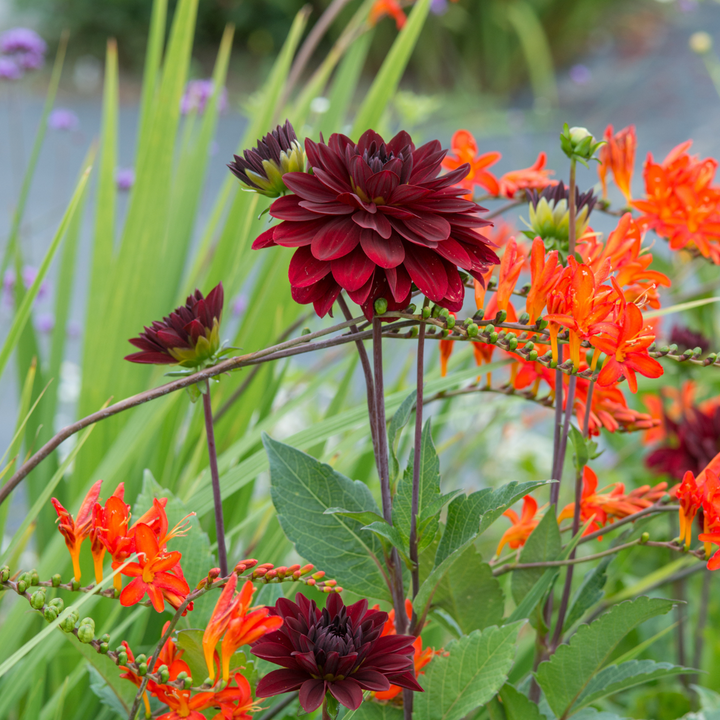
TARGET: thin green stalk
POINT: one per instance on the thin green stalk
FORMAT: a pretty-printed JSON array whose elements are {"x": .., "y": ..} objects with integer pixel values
[{"x": 215, "y": 476}]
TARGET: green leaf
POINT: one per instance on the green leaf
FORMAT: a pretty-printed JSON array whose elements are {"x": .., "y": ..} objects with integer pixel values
[
  {"x": 568, "y": 674},
  {"x": 589, "y": 593},
  {"x": 365, "y": 516},
  {"x": 585, "y": 448},
  {"x": 680, "y": 307},
  {"x": 398, "y": 421},
  {"x": 709, "y": 699},
  {"x": 470, "y": 594},
  {"x": 377, "y": 711},
  {"x": 620, "y": 677},
  {"x": 392, "y": 535},
  {"x": 388, "y": 77},
  {"x": 105, "y": 694},
  {"x": 517, "y": 706},
  {"x": 473, "y": 672},
  {"x": 543, "y": 585},
  {"x": 468, "y": 515},
  {"x": 302, "y": 490},
  {"x": 543, "y": 544},
  {"x": 191, "y": 643}
]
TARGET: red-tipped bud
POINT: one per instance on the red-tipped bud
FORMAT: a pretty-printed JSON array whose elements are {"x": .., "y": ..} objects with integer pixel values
[
  {"x": 310, "y": 582},
  {"x": 293, "y": 569},
  {"x": 319, "y": 575},
  {"x": 271, "y": 574},
  {"x": 282, "y": 571},
  {"x": 213, "y": 573},
  {"x": 331, "y": 583},
  {"x": 247, "y": 564},
  {"x": 259, "y": 572},
  {"x": 267, "y": 566},
  {"x": 306, "y": 569}
]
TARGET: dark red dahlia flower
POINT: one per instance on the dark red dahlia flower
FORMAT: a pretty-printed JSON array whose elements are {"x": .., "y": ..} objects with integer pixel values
[
  {"x": 338, "y": 650},
  {"x": 190, "y": 336},
  {"x": 373, "y": 218},
  {"x": 690, "y": 445}
]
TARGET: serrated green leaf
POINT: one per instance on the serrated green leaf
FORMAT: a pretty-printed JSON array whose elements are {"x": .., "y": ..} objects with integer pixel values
[
  {"x": 468, "y": 516},
  {"x": 589, "y": 593},
  {"x": 473, "y": 672},
  {"x": 543, "y": 544},
  {"x": 392, "y": 535},
  {"x": 365, "y": 517},
  {"x": 397, "y": 422},
  {"x": 517, "y": 706},
  {"x": 106, "y": 695},
  {"x": 470, "y": 594},
  {"x": 302, "y": 490},
  {"x": 709, "y": 699},
  {"x": 377, "y": 711},
  {"x": 567, "y": 675},
  {"x": 620, "y": 677}
]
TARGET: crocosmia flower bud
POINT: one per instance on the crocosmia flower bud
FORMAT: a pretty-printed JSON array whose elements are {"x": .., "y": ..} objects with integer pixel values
[{"x": 262, "y": 169}]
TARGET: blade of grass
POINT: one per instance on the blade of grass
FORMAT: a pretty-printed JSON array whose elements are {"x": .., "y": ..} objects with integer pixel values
[
  {"x": 680, "y": 307},
  {"x": 386, "y": 82},
  {"x": 23, "y": 312}
]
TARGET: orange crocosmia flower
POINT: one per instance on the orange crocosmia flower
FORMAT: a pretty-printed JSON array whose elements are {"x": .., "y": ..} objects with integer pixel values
[
  {"x": 585, "y": 306},
  {"x": 625, "y": 343},
  {"x": 532, "y": 373},
  {"x": 591, "y": 504},
  {"x": 464, "y": 149},
  {"x": 544, "y": 272},
  {"x": 110, "y": 525},
  {"x": 76, "y": 529},
  {"x": 618, "y": 157},
  {"x": 682, "y": 204},
  {"x": 535, "y": 177},
  {"x": 157, "y": 574},
  {"x": 231, "y": 619},
  {"x": 236, "y": 701},
  {"x": 511, "y": 265},
  {"x": 446, "y": 350},
  {"x": 102, "y": 517},
  {"x": 185, "y": 706},
  {"x": 392, "y": 8},
  {"x": 522, "y": 526}
]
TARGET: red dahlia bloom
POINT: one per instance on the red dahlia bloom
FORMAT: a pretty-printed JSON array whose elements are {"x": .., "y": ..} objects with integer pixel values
[
  {"x": 190, "y": 336},
  {"x": 338, "y": 650},
  {"x": 372, "y": 219}
]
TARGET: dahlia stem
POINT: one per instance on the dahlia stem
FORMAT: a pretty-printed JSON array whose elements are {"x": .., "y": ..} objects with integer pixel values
[
  {"x": 369, "y": 383},
  {"x": 572, "y": 209},
  {"x": 395, "y": 567},
  {"x": 215, "y": 475},
  {"x": 380, "y": 423},
  {"x": 415, "y": 505},
  {"x": 325, "y": 713},
  {"x": 555, "y": 488}
]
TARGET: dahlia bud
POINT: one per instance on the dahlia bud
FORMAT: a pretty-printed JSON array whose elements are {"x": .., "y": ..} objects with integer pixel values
[
  {"x": 578, "y": 143},
  {"x": 261, "y": 169}
]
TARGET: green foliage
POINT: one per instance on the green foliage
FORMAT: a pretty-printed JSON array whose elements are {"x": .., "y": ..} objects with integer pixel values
[
  {"x": 470, "y": 594},
  {"x": 567, "y": 679},
  {"x": 589, "y": 593},
  {"x": 475, "y": 670},
  {"x": 302, "y": 490},
  {"x": 517, "y": 706}
]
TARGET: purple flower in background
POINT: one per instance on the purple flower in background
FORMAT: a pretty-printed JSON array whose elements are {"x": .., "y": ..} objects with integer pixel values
[
  {"x": 580, "y": 74},
  {"x": 9, "y": 69},
  {"x": 22, "y": 40},
  {"x": 44, "y": 322},
  {"x": 29, "y": 274},
  {"x": 438, "y": 7},
  {"x": 239, "y": 304},
  {"x": 24, "y": 47},
  {"x": 198, "y": 93},
  {"x": 74, "y": 329},
  {"x": 63, "y": 119},
  {"x": 124, "y": 178}
]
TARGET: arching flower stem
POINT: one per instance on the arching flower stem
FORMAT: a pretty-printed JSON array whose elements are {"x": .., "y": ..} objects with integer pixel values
[
  {"x": 572, "y": 209},
  {"x": 215, "y": 477}
]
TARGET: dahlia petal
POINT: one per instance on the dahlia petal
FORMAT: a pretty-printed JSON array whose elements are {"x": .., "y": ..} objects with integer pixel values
[
  {"x": 305, "y": 269},
  {"x": 405, "y": 194},
  {"x": 335, "y": 239},
  {"x": 214, "y": 303},
  {"x": 373, "y": 221},
  {"x": 347, "y": 692},
  {"x": 367, "y": 139},
  {"x": 427, "y": 272},
  {"x": 151, "y": 358},
  {"x": 360, "y": 172},
  {"x": 337, "y": 185},
  {"x": 312, "y": 292},
  {"x": 308, "y": 187},
  {"x": 297, "y": 234},
  {"x": 422, "y": 165},
  {"x": 397, "y": 212},
  {"x": 275, "y": 652},
  {"x": 359, "y": 297},
  {"x": 280, "y": 681},
  {"x": 400, "y": 283},
  {"x": 354, "y": 200},
  {"x": 385, "y": 252},
  {"x": 401, "y": 141},
  {"x": 264, "y": 240},
  {"x": 335, "y": 168},
  {"x": 406, "y": 680},
  {"x": 467, "y": 220},
  {"x": 453, "y": 251},
  {"x": 393, "y": 643},
  {"x": 439, "y": 203},
  {"x": 456, "y": 289},
  {"x": 388, "y": 663},
  {"x": 347, "y": 663},
  {"x": 312, "y": 693},
  {"x": 371, "y": 680},
  {"x": 334, "y": 208},
  {"x": 324, "y": 304},
  {"x": 353, "y": 270},
  {"x": 401, "y": 227},
  {"x": 290, "y": 207},
  {"x": 430, "y": 226},
  {"x": 382, "y": 184},
  {"x": 451, "y": 178},
  {"x": 306, "y": 662}
]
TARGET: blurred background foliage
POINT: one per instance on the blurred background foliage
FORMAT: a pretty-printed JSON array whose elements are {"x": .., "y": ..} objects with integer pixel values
[{"x": 494, "y": 46}]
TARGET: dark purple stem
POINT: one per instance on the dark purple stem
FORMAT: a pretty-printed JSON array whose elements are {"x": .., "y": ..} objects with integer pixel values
[
  {"x": 555, "y": 488},
  {"x": 215, "y": 475}
]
